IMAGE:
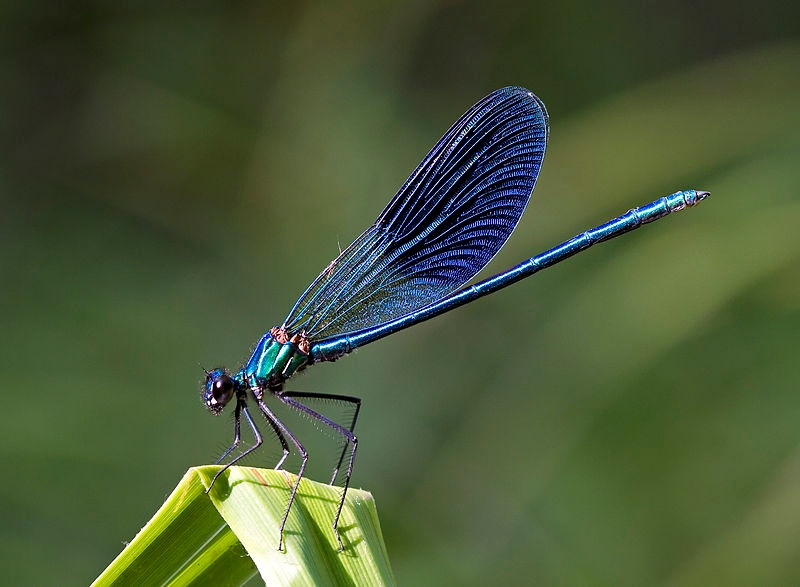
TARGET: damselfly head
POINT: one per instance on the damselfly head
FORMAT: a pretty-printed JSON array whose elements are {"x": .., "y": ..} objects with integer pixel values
[{"x": 219, "y": 389}]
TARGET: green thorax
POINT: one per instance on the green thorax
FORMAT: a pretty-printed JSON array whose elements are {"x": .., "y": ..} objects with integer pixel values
[{"x": 277, "y": 357}]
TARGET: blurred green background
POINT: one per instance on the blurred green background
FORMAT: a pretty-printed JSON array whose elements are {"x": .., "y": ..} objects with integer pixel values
[{"x": 173, "y": 177}]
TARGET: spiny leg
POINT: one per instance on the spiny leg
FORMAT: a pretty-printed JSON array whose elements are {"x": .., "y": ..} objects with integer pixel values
[
  {"x": 241, "y": 408},
  {"x": 237, "y": 437},
  {"x": 289, "y": 401},
  {"x": 283, "y": 442},
  {"x": 276, "y": 423},
  {"x": 328, "y": 396}
]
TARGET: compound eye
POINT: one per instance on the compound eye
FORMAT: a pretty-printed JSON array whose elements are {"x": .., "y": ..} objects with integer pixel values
[
  {"x": 223, "y": 387},
  {"x": 220, "y": 388}
]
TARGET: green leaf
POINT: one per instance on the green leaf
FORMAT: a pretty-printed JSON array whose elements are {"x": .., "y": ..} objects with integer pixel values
[{"x": 231, "y": 534}]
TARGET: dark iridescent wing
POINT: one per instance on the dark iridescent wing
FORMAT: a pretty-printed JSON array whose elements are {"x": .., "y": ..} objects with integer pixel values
[{"x": 444, "y": 225}]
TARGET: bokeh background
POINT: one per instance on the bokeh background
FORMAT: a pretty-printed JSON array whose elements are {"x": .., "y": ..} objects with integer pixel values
[{"x": 173, "y": 177}]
